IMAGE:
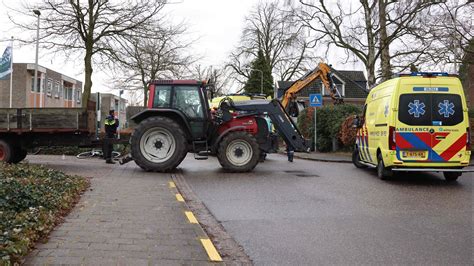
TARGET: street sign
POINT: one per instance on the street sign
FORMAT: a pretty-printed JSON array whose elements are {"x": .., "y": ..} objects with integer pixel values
[{"x": 315, "y": 100}]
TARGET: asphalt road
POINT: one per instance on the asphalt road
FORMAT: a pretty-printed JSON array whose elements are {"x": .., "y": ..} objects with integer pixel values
[{"x": 310, "y": 212}]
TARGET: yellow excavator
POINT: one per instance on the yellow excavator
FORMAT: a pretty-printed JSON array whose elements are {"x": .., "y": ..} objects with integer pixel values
[{"x": 323, "y": 72}]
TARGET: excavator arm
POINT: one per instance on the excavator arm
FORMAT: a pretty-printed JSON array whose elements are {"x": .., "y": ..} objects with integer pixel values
[{"x": 323, "y": 72}]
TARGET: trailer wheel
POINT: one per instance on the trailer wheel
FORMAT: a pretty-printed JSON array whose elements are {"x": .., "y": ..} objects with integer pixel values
[
  {"x": 158, "y": 144},
  {"x": 19, "y": 154},
  {"x": 5, "y": 152},
  {"x": 451, "y": 176},
  {"x": 238, "y": 152}
]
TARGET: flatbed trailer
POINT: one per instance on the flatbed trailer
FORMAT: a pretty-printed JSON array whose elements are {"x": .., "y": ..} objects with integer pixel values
[{"x": 26, "y": 128}]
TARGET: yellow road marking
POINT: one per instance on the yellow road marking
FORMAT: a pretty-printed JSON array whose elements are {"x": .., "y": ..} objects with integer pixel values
[
  {"x": 192, "y": 219},
  {"x": 172, "y": 185},
  {"x": 211, "y": 250},
  {"x": 179, "y": 197}
]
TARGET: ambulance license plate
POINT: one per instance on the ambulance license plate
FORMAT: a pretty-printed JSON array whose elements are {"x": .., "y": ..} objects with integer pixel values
[{"x": 414, "y": 154}]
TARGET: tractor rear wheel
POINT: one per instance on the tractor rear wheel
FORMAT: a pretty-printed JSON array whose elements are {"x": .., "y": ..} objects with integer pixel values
[
  {"x": 158, "y": 144},
  {"x": 6, "y": 150},
  {"x": 238, "y": 152}
]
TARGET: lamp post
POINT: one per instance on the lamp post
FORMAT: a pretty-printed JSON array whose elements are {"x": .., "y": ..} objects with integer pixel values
[
  {"x": 261, "y": 77},
  {"x": 35, "y": 82},
  {"x": 119, "y": 109}
]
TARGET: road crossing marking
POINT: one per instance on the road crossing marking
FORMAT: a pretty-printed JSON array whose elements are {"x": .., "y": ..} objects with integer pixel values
[
  {"x": 192, "y": 219},
  {"x": 211, "y": 250},
  {"x": 179, "y": 197},
  {"x": 172, "y": 184}
]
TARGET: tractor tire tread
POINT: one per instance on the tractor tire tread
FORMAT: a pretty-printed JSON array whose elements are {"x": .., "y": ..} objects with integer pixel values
[
  {"x": 180, "y": 139},
  {"x": 221, "y": 152}
]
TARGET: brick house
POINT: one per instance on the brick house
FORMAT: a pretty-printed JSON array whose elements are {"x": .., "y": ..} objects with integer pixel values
[
  {"x": 350, "y": 83},
  {"x": 58, "y": 90}
]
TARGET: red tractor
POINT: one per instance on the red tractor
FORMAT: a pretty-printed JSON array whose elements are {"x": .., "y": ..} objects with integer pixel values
[{"x": 178, "y": 120}]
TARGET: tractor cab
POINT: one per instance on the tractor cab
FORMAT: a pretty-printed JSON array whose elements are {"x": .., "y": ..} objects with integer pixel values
[{"x": 185, "y": 98}]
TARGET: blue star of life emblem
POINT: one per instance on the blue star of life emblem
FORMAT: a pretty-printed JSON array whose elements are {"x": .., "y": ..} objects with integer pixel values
[
  {"x": 416, "y": 108},
  {"x": 386, "y": 110},
  {"x": 446, "y": 108}
]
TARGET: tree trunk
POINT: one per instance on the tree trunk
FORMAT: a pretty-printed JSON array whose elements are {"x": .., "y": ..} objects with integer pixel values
[
  {"x": 145, "y": 95},
  {"x": 384, "y": 43},
  {"x": 370, "y": 63},
  {"x": 88, "y": 77}
]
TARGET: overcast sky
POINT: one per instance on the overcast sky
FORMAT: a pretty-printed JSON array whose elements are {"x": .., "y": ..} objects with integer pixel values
[{"x": 217, "y": 23}]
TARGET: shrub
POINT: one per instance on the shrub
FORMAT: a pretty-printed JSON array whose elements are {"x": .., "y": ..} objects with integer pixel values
[
  {"x": 32, "y": 200},
  {"x": 329, "y": 119}
]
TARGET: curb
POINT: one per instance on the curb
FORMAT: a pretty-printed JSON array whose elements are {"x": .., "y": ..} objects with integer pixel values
[
  {"x": 321, "y": 159},
  {"x": 229, "y": 251},
  {"x": 336, "y": 160},
  {"x": 203, "y": 237}
]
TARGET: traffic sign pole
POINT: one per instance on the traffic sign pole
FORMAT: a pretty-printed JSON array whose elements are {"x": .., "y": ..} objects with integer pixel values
[
  {"x": 315, "y": 100},
  {"x": 315, "y": 131}
]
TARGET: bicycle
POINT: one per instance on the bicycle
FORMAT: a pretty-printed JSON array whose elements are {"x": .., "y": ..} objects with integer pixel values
[{"x": 96, "y": 153}]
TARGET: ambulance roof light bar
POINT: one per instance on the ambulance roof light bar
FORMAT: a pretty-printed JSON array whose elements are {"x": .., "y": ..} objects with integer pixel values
[{"x": 426, "y": 74}]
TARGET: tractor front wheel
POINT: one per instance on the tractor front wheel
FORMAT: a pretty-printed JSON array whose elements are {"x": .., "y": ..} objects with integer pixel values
[
  {"x": 158, "y": 144},
  {"x": 238, "y": 152}
]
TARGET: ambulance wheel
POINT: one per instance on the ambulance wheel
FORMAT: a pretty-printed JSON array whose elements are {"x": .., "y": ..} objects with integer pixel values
[
  {"x": 451, "y": 176},
  {"x": 383, "y": 172},
  {"x": 356, "y": 159}
]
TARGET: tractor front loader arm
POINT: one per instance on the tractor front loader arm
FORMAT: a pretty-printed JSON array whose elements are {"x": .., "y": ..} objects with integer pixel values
[{"x": 285, "y": 127}]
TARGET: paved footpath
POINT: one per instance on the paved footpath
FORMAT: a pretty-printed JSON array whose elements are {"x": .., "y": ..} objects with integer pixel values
[{"x": 127, "y": 217}]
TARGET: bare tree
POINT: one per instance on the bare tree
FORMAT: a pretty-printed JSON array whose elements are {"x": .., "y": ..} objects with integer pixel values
[
  {"x": 163, "y": 56},
  {"x": 368, "y": 30},
  {"x": 92, "y": 28},
  {"x": 279, "y": 36},
  {"x": 443, "y": 31},
  {"x": 219, "y": 78}
]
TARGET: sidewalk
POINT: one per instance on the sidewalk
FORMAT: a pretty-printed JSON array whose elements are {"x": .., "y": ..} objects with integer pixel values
[{"x": 127, "y": 217}]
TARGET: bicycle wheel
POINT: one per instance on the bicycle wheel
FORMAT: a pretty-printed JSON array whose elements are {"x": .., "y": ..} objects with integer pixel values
[{"x": 84, "y": 155}]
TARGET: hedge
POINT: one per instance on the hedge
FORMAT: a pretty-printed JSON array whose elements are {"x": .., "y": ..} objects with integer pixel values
[
  {"x": 329, "y": 119},
  {"x": 32, "y": 200}
]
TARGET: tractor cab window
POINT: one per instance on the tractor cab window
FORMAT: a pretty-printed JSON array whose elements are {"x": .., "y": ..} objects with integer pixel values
[
  {"x": 162, "y": 96},
  {"x": 186, "y": 99}
]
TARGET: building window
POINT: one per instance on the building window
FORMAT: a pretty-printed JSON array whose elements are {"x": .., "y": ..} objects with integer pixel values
[
  {"x": 340, "y": 88},
  {"x": 49, "y": 88},
  {"x": 38, "y": 88},
  {"x": 57, "y": 90},
  {"x": 78, "y": 98},
  {"x": 69, "y": 93}
]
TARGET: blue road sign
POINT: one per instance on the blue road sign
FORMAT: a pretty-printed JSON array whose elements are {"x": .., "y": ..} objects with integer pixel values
[{"x": 315, "y": 100}]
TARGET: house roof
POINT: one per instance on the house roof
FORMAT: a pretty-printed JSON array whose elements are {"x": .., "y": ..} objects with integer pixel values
[{"x": 355, "y": 84}]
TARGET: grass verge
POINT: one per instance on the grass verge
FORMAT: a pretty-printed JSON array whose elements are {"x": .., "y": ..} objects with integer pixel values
[{"x": 33, "y": 199}]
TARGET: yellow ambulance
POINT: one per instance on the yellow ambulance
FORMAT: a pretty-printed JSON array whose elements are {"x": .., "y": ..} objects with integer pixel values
[{"x": 415, "y": 122}]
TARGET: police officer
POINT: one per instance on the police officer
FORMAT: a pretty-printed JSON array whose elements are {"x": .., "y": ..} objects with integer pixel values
[{"x": 111, "y": 125}]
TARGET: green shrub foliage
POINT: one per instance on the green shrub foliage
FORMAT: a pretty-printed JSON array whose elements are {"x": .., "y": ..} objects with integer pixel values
[
  {"x": 32, "y": 198},
  {"x": 329, "y": 119}
]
